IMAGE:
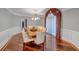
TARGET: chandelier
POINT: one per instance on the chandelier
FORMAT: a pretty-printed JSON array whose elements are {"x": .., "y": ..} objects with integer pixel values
[{"x": 35, "y": 18}]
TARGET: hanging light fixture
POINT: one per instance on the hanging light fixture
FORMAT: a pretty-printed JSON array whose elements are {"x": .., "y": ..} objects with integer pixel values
[{"x": 35, "y": 17}]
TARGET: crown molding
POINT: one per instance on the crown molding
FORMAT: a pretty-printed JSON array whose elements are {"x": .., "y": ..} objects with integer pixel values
[
  {"x": 65, "y": 9},
  {"x": 14, "y": 13},
  {"x": 29, "y": 15}
]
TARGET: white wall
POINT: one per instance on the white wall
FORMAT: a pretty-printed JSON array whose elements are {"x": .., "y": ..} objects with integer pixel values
[
  {"x": 7, "y": 20},
  {"x": 70, "y": 26},
  {"x": 9, "y": 26}
]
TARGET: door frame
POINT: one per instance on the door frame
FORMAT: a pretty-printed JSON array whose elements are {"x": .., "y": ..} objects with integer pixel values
[{"x": 56, "y": 12}]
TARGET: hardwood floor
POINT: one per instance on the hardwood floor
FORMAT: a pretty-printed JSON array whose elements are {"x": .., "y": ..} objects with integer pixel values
[{"x": 16, "y": 44}]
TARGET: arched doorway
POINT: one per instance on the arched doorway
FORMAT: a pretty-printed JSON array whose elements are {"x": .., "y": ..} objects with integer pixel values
[{"x": 56, "y": 12}]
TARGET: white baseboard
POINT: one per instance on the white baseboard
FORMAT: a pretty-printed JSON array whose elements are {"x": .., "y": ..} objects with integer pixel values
[
  {"x": 7, "y": 34},
  {"x": 71, "y": 36}
]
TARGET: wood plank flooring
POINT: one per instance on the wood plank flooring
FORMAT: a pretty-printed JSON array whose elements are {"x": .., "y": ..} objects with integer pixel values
[{"x": 16, "y": 44}]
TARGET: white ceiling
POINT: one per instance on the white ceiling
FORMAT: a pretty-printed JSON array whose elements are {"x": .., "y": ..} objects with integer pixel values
[
  {"x": 27, "y": 11},
  {"x": 30, "y": 11}
]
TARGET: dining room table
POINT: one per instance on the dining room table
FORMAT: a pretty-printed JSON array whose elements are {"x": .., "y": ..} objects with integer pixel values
[{"x": 32, "y": 33}]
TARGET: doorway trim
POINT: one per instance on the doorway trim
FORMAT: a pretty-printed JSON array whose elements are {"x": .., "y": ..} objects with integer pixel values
[{"x": 56, "y": 12}]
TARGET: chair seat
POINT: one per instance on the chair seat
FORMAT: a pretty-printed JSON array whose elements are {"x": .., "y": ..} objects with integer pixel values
[{"x": 28, "y": 40}]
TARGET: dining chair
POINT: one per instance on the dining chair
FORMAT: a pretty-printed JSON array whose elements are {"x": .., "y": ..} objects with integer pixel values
[
  {"x": 39, "y": 38},
  {"x": 25, "y": 36}
]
